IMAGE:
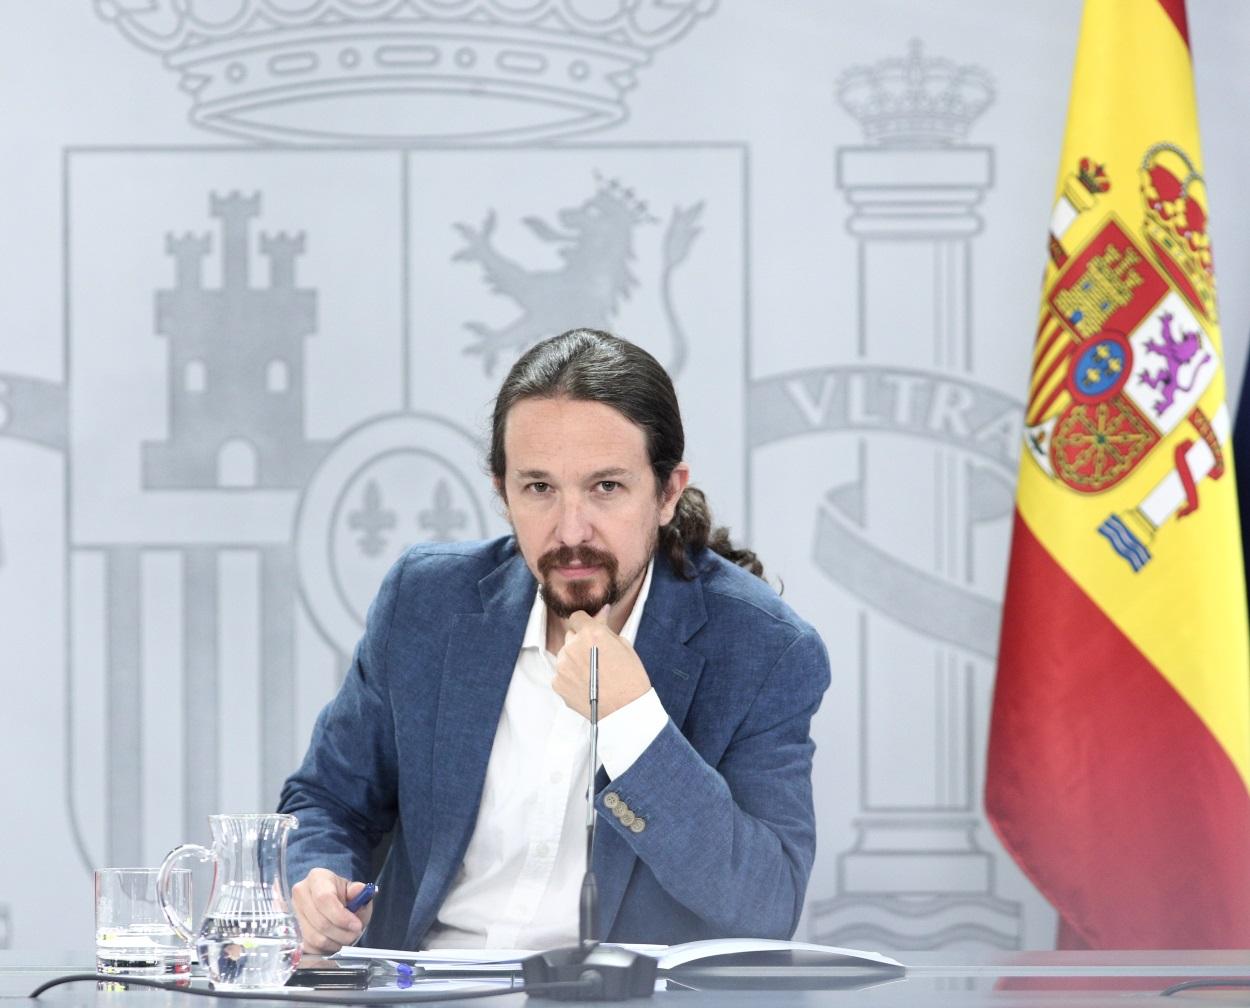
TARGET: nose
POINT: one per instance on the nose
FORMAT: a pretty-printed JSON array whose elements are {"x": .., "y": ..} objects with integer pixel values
[{"x": 573, "y": 525}]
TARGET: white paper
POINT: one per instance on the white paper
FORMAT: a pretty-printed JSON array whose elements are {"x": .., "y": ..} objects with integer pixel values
[{"x": 670, "y": 957}]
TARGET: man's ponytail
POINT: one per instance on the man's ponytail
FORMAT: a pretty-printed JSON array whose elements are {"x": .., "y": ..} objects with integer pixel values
[{"x": 691, "y": 530}]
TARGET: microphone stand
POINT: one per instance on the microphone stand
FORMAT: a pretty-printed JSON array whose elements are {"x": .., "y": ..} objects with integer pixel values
[
  {"x": 588, "y": 905},
  {"x": 610, "y": 972}
]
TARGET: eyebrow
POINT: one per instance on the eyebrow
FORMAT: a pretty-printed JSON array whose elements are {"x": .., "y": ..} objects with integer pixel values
[{"x": 615, "y": 472}]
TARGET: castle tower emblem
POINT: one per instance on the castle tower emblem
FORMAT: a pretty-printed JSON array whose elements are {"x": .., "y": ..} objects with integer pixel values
[{"x": 236, "y": 363}]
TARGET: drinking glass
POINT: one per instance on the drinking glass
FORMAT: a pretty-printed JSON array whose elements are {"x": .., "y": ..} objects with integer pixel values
[{"x": 132, "y": 934}]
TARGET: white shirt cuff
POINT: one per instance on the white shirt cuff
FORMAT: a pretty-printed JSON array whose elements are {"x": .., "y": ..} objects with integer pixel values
[{"x": 625, "y": 733}]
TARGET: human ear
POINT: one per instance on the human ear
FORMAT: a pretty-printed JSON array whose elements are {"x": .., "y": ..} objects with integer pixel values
[{"x": 677, "y": 482}]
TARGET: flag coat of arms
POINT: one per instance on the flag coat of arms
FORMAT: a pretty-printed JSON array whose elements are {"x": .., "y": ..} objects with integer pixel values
[{"x": 1119, "y": 751}]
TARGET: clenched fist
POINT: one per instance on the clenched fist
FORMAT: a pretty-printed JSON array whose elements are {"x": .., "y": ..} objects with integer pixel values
[{"x": 622, "y": 679}]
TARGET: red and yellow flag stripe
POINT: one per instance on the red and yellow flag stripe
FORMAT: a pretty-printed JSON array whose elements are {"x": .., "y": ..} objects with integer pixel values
[{"x": 1119, "y": 760}]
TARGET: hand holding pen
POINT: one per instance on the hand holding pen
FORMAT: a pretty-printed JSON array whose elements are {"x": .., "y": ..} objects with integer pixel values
[
  {"x": 363, "y": 898},
  {"x": 332, "y": 911}
]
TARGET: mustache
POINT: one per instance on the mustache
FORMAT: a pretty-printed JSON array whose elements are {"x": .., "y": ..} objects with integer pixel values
[{"x": 566, "y": 556}]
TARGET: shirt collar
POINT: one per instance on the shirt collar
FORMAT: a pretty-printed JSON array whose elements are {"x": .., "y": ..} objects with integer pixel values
[{"x": 536, "y": 628}]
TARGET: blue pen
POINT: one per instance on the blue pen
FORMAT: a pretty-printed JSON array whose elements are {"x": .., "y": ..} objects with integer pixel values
[
  {"x": 401, "y": 973},
  {"x": 363, "y": 897}
]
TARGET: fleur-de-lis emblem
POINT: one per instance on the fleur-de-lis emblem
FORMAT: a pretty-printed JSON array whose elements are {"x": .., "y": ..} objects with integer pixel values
[
  {"x": 442, "y": 519},
  {"x": 372, "y": 519}
]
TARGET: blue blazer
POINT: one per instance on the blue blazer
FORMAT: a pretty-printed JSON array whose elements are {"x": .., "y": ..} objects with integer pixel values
[{"x": 725, "y": 789}]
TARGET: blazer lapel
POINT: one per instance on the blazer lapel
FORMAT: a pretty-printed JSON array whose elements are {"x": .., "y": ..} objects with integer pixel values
[
  {"x": 481, "y": 654},
  {"x": 673, "y": 614}
]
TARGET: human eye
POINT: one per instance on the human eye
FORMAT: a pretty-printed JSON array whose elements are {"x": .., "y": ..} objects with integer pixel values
[
  {"x": 608, "y": 486},
  {"x": 537, "y": 487}
]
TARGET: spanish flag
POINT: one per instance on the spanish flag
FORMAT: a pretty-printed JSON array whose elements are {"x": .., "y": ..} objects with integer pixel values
[{"x": 1119, "y": 751}]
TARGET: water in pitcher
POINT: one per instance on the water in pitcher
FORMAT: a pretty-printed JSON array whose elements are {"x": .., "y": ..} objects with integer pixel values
[
  {"x": 248, "y": 950},
  {"x": 249, "y": 937}
]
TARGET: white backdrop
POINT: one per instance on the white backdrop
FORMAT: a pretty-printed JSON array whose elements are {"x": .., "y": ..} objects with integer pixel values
[{"x": 265, "y": 262}]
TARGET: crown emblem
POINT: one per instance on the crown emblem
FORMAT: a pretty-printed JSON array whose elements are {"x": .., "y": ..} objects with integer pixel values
[
  {"x": 1093, "y": 176},
  {"x": 635, "y": 208},
  {"x": 915, "y": 101},
  {"x": 405, "y": 71},
  {"x": 1176, "y": 223}
]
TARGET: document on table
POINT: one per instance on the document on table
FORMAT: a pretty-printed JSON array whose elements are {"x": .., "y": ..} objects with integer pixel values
[
  {"x": 436, "y": 961},
  {"x": 748, "y": 950}
]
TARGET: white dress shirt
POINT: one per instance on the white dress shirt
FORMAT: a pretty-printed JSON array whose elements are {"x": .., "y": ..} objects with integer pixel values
[{"x": 519, "y": 884}]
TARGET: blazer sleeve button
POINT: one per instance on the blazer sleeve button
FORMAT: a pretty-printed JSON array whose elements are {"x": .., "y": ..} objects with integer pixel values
[
  {"x": 628, "y": 819},
  {"x": 611, "y": 799},
  {"x": 638, "y": 825}
]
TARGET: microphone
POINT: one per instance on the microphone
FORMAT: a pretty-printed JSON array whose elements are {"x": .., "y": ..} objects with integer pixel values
[{"x": 608, "y": 972}]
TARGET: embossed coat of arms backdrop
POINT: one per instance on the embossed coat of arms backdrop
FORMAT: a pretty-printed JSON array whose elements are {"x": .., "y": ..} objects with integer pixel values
[{"x": 270, "y": 260}]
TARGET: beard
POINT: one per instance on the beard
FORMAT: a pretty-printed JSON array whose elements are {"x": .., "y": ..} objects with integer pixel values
[{"x": 580, "y": 595}]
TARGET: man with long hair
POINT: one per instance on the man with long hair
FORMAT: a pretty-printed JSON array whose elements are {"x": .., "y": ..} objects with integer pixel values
[{"x": 461, "y": 727}]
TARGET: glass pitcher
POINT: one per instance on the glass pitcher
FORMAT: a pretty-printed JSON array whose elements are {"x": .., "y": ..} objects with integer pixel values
[{"x": 249, "y": 936}]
